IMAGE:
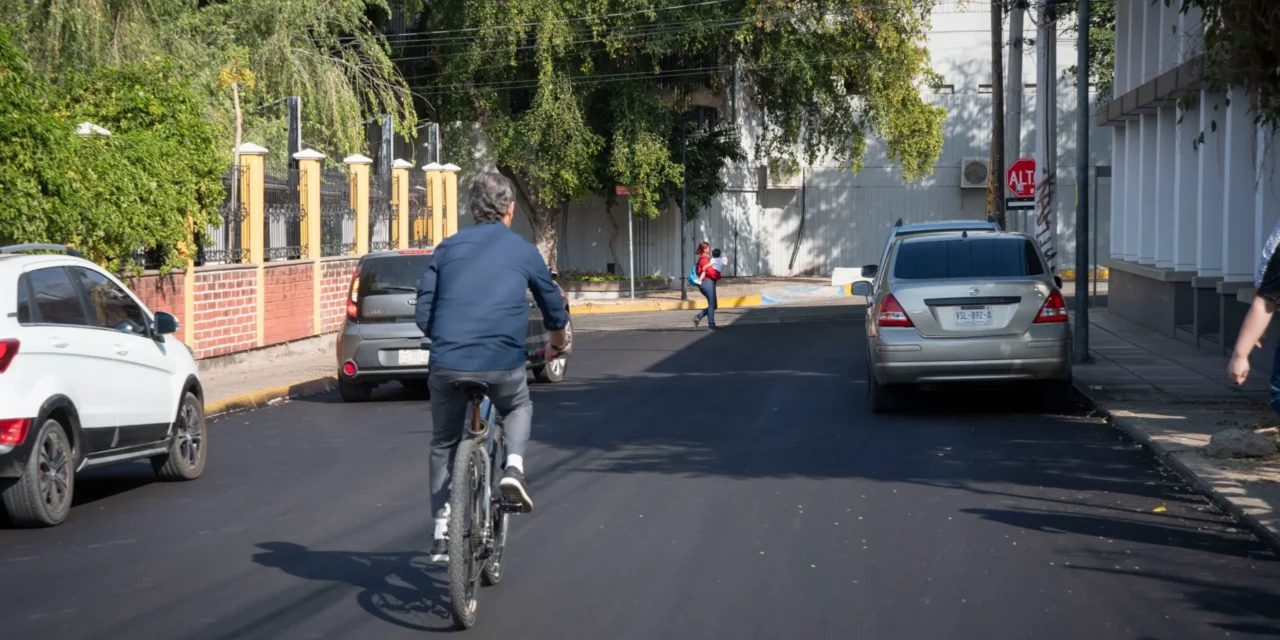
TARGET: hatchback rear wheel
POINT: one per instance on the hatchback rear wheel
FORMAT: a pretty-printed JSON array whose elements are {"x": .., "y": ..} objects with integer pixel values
[
  {"x": 355, "y": 392},
  {"x": 42, "y": 496},
  {"x": 883, "y": 398}
]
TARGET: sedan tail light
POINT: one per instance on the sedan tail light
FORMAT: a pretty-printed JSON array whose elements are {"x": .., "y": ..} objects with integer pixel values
[
  {"x": 14, "y": 432},
  {"x": 1054, "y": 309},
  {"x": 8, "y": 349},
  {"x": 354, "y": 296},
  {"x": 892, "y": 314}
]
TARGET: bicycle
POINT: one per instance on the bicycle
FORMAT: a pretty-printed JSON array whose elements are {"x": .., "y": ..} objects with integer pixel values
[{"x": 478, "y": 513}]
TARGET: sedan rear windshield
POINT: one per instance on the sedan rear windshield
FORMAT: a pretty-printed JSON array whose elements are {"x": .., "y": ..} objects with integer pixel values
[
  {"x": 967, "y": 258},
  {"x": 392, "y": 275}
]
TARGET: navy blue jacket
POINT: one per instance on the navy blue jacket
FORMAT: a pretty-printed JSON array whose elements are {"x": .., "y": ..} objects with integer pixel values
[{"x": 471, "y": 299}]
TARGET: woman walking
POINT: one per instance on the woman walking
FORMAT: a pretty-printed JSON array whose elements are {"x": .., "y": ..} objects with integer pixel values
[{"x": 706, "y": 276}]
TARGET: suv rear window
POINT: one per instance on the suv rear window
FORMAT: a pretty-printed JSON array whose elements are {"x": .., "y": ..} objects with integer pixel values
[
  {"x": 967, "y": 258},
  {"x": 392, "y": 275}
]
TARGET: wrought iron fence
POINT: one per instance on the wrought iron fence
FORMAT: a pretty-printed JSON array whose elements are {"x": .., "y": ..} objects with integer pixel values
[
  {"x": 337, "y": 218},
  {"x": 283, "y": 215},
  {"x": 221, "y": 241},
  {"x": 382, "y": 217},
  {"x": 419, "y": 211}
]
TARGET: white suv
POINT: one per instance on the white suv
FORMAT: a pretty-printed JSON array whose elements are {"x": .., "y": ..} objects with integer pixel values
[{"x": 88, "y": 377}]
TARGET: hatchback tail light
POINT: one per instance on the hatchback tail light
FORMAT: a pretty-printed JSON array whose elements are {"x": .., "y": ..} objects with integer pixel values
[
  {"x": 8, "y": 349},
  {"x": 14, "y": 432},
  {"x": 354, "y": 296},
  {"x": 1054, "y": 309},
  {"x": 892, "y": 314}
]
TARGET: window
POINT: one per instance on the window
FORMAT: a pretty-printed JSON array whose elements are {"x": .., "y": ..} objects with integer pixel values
[
  {"x": 112, "y": 308},
  {"x": 24, "y": 302},
  {"x": 984, "y": 88},
  {"x": 55, "y": 299},
  {"x": 946, "y": 89},
  {"x": 398, "y": 275},
  {"x": 967, "y": 258}
]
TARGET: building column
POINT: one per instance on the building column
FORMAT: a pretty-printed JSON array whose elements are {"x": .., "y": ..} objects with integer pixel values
[
  {"x": 1147, "y": 229},
  {"x": 435, "y": 197},
  {"x": 1238, "y": 189},
  {"x": 1191, "y": 32},
  {"x": 1185, "y": 189},
  {"x": 400, "y": 203},
  {"x": 1119, "y": 209},
  {"x": 1266, "y": 199},
  {"x": 1209, "y": 202},
  {"x": 1151, "y": 14},
  {"x": 309, "y": 186},
  {"x": 1165, "y": 215},
  {"x": 1134, "y": 42},
  {"x": 1133, "y": 178}
]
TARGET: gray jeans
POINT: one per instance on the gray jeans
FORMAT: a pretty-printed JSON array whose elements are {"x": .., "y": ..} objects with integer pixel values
[{"x": 509, "y": 391}]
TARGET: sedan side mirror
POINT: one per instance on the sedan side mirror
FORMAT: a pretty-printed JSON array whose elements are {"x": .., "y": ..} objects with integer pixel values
[
  {"x": 861, "y": 288},
  {"x": 165, "y": 324},
  {"x": 870, "y": 270}
]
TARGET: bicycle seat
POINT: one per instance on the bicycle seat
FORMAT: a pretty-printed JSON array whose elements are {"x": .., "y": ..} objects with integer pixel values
[{"x": 472, "y": 387}]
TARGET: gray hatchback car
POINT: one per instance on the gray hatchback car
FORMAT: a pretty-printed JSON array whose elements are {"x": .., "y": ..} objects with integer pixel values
[
  {"x": 380, "y": 342},
  {"x": 958, "y": 307}
]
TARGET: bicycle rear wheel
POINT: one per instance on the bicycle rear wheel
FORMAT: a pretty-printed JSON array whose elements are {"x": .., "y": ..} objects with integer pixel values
[{"x": 466, "y": 532}]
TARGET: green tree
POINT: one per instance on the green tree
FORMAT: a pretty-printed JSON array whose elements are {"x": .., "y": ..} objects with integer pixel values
[
  {"x": 328, "y": 52},
  {"x": 1102, "y": 43},
  {"x": 1242, "y": 50},
  {"x": 575, "y": 96},
  {"x": 107, "y": 196}
]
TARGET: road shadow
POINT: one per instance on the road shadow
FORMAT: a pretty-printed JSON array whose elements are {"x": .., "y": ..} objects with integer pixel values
[
  {"x": 400, "y": 588},
  {"x": 100, "y": 484}
]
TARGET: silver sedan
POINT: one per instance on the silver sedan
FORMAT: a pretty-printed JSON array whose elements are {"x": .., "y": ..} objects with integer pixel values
[{"x": 954, "y": 307}]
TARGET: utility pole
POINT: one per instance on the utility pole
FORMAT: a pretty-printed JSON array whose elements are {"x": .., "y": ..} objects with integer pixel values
[
  {"x": 684, "y": 213},
  {"x": 1013, "y": 99},
  {"x": 1044, "y": 229},
  {"x": 997, "y": 111},
  {"x": 1082, "y": 184}
]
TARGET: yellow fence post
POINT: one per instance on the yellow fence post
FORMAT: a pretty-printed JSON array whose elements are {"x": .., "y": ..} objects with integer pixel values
[
  {"x": 435, "y": 198},
  {"x": 400, "y": 203},
  {"x": 309, "y": 197},
  {"x": 252, "y": 226},
  {"x": 451, "y": 199},
  {"x": 358, "y": 166}
]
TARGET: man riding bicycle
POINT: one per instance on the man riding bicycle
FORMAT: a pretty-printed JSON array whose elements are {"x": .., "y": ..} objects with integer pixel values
[{"x": 472, "y": 310}]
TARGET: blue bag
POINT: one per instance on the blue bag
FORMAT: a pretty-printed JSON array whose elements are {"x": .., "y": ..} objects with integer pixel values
[{"x": 693, "y": 276}]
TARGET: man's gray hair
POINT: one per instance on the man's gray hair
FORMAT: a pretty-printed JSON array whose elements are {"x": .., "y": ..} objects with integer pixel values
[{"x": 491, "y": 194}]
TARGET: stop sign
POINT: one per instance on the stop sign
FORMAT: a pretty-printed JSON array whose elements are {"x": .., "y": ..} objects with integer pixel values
[{"x": 1021, "y": 177}]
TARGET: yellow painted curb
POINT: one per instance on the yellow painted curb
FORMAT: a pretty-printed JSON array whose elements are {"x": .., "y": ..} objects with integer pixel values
[
  {"x": 1070, "y": 274},
  {"x": 263, "y": 397},
  {"x": 595, "y": 308}
]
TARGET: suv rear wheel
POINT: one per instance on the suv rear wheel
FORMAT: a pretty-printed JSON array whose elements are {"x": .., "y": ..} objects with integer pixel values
[
  {"x": 355, "y": 392},
  {"x": 42, "y": 496}
]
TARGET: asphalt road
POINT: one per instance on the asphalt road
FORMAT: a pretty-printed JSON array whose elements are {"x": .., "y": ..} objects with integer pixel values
[{"x": 690, "y": 485}]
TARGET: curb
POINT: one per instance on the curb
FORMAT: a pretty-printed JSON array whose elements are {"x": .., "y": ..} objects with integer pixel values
[
  {"x": 640, "y": 306},
  {"x": 1167, "y": 458},
  {"x": 263, "y": 397}
]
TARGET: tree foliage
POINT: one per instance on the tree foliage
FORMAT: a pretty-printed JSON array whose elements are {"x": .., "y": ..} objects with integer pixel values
[
  {"x": 328, "y": 52},
  {"x": 576, "y": 96},
  {"x": 1102, "y": 44},
  {"x": 107, "y": 196},
  {"x": 1242, "y": 49}
]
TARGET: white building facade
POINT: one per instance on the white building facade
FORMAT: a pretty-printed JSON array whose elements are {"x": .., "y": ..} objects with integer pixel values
[{"x": 1195, "y": 191}]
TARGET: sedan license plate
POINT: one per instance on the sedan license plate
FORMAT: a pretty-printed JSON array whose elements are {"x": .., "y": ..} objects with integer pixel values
[
  {"x": 973, "y": 316},
  {"x": 414, "y": 357}
]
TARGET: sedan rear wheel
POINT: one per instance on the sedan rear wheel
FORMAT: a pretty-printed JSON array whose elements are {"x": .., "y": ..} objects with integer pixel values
[{"x": 883, "y": 399}]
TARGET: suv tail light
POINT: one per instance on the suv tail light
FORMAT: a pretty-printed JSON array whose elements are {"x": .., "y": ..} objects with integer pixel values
[
  {"x": 1054, "y": 309},
  {"x": 8, "y": 349},
  {"x": 354, "y": 296},
  {"x": 892, "y": 314},
  {"x": 13, "y": 432}
]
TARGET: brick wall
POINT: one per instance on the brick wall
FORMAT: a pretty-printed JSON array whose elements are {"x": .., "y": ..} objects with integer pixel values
[
  {"x": 335, "y": 285},
  {"x": 289, "y": 301},
  {"x": 226, "y": 302},
  {"x": 162, "y": 293}
]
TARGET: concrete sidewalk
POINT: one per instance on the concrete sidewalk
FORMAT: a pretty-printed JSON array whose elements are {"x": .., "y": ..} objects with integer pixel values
[{"x": 1173, "y": 397}]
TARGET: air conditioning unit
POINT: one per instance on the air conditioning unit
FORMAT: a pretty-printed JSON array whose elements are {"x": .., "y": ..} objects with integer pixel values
[
  {"x": 781, "y": 182},
  {"x": 974, "y": 173}
]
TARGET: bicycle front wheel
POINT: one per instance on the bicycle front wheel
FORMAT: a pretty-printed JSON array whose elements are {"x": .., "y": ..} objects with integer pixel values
[{"x": 466, "y": 532}]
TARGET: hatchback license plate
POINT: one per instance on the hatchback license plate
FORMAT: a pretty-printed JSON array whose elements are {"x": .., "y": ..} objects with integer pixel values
[
  {"x": 974, "y": 316},
  {"x": 411, "y": 357}
]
